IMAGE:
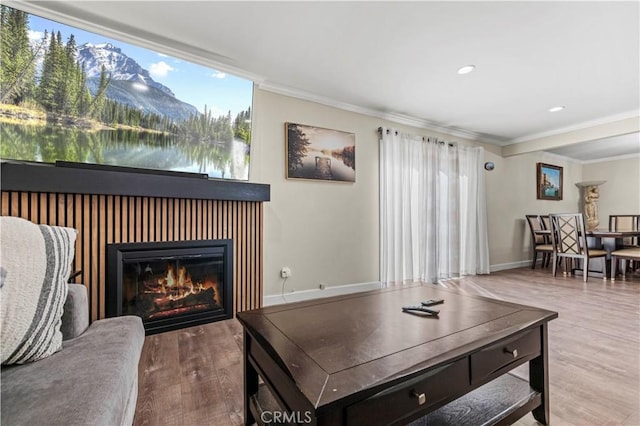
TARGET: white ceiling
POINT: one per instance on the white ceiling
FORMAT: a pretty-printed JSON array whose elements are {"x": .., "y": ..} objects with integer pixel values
[
  {"x": 400, "y": 58},
  {"x": 612, "y": 147}
]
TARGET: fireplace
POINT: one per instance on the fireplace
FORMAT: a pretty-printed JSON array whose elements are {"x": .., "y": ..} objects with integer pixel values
[{"x": 170, "y": 285}]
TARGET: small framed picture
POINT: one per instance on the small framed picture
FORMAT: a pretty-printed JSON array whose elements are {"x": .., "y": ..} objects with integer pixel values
[
  {"x": 549, "y": 182},
  {"x": 320, "y": 154}
]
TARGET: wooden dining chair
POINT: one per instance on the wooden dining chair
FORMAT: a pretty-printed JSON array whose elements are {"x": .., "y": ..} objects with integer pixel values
[
  {"x": 625, "y": 222},
  {"x": 631, "y": 254},
  {"x": 569, "y": 241},
  {"x": 546, "y": 223},
  {"x": 541, "y": 243}
]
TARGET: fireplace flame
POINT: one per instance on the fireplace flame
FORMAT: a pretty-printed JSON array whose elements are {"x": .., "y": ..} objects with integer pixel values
[
  {"x": 183, "y": 276},
  {"x": 183, "y": 279},
  {"x": 170, "y": 279},
  {"x": 177, "y": 284},
  {"x": 171, "y": 290}
]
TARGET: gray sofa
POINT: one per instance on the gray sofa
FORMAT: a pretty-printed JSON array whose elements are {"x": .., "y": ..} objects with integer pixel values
[{"x": 93, "y": 380}]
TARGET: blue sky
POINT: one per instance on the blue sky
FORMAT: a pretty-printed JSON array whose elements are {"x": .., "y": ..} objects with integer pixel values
[
  {"x": 191, "y": 83},
  {"x": 553, "y": 175}
]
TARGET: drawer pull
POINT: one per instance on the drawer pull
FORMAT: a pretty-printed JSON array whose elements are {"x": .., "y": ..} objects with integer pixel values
[
  {"x": 422, "y": 398},
  {"x": 513, "y": 352}
]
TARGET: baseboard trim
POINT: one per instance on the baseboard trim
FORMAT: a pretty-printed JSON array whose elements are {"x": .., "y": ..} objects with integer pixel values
[
  {"x": 298, "y": 296},
  {"x": 337, "y": 290},
  {"x": 510, "y": 265}
]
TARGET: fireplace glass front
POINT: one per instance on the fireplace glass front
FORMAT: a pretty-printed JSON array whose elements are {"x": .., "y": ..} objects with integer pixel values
[{"x": 170, "y": 285}]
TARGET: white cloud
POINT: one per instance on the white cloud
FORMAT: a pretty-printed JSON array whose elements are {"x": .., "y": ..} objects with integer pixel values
[
  {"x": 162, "y": 55},
  {"x": 160, "y": 69},
  {"x": 218, "y": 74},
  {"x": 35, "y": 35}
]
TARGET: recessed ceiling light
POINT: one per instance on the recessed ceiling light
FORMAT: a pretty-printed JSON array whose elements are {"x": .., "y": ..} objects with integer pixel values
[
  {"x": 556, "y": 109},
  {"x": 466, "y": 69}
]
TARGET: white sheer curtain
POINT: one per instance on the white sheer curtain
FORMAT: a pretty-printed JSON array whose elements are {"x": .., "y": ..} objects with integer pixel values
[{"x": 433, "y": 221}]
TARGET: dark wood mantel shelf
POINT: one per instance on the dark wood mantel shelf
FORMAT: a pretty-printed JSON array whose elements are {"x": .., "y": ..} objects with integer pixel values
[{"x": 46, "y": 177}]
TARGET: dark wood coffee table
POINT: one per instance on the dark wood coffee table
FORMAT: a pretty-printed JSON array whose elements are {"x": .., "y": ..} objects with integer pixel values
[{"x": 359, "y": 360}]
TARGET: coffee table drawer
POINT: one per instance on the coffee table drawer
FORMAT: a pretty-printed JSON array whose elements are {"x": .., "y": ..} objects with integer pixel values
[
  {"x": 413, "y": 395},
  {"x": 505, "y": 354}
]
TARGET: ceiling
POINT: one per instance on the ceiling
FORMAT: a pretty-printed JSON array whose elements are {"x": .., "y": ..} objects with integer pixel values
[
  {"x": 590, "y": 151},
  {"x": 399, "y": 59}
]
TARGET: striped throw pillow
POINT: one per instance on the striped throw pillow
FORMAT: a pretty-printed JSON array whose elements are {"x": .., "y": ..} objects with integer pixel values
[{"x": 36, "y": 263}]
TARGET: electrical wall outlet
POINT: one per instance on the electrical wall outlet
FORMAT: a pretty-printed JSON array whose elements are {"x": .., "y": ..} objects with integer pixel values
[{"x": 285, "y": 272}]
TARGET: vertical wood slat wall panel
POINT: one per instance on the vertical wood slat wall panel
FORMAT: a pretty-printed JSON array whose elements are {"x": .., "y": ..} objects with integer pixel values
[{"x": 104, "y": 219}]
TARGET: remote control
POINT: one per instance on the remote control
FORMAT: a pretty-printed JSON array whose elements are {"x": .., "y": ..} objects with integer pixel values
[
  {"x": 432, "y": 302},
  {"x": 420, "y": 308}
]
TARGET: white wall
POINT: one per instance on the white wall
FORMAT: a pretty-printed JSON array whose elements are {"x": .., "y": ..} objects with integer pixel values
[
  {"x": 323, "y": 231},
  {"x": 621, "y": 193}
]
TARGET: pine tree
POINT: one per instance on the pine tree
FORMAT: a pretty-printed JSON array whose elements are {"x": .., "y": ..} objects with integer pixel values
[
  {"x": 17, "y": 58},
  {"x": 98, "y": 102},
  {"x": 46, "y": 89},
  {"x": 59, "y": 76},
  {"x": 83, "y": 96},
  {"x": 69, "y": 87}
]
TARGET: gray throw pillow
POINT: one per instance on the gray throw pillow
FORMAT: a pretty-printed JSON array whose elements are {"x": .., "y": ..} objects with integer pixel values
[{"x": 36, "y": 263}]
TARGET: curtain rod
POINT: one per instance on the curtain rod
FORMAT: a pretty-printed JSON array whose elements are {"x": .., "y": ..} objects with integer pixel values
[{"x": 380, "y": 130}]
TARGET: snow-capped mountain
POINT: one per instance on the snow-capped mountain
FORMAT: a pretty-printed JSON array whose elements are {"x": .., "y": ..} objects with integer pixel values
[
  {"x": 130, "y": 83},
  {"x": 119, "y": 65}
]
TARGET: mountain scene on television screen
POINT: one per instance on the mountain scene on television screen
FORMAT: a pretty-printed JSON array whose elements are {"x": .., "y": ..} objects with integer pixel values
[
  {"x": 130, "y": 84},
  {"x": 64, "y": 98},
  {"x": 116, "y": 63}
]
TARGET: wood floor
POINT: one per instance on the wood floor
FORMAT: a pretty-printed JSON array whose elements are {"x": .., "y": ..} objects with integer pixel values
[{"x": 194, "y": 376}]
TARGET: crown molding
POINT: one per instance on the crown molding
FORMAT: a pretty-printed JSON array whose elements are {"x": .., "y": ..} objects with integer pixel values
[
  {"x": 615, "y": 158},
  {"x": 580, "y": 126},
  {"x": 391, "y": 116}
]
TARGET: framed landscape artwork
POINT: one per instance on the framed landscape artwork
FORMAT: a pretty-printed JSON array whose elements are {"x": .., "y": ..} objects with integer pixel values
[
  {"x": 320, "y": 154},
  {"x": 69, "y": 95},
  {"x": 549, "y": 182}
]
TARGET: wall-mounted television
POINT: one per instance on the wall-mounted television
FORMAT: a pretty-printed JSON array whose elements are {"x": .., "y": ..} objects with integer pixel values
[{"x": 73, "y": 96}]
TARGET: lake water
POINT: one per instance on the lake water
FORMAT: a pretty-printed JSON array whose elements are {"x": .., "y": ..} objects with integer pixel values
[
  {"x": 125, "y": 148},
  {"x": 339, "y": 170}
]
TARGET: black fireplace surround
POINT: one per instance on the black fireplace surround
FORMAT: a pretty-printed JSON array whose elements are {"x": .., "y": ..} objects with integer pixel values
[{"x": 170, "y": 285}]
